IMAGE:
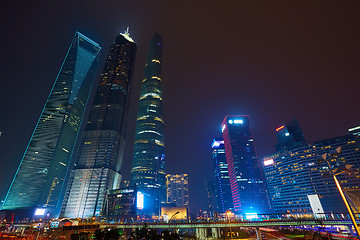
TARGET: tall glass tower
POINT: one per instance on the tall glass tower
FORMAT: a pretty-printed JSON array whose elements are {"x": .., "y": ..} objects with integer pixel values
[
  {"x": 101, "y": 148},
  {"x": 222, "y": 181},
  {"x": 149, "y": 152},
  {"x": 40, "y": 178},
  {"x": 246, "y": 176}
]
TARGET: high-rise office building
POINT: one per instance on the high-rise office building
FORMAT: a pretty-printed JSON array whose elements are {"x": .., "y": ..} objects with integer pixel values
[
  {"x": 289, "y": 135},
  {"x": 101, "y": 148},
  {"x": 40, "y": 178},
  {"x": 224, "y": 200},
  {"x": 212, "y": 204},
  {"x": 247, "y": 180},
  {"x": 177, "y": 189},
  {"x": 293, "y": 174},
  {"x": 147, "y": 172}
]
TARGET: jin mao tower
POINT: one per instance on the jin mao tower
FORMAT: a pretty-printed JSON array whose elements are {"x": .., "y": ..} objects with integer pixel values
[
  {"x": 99, "y": 158},
  {"x": 147, "y": 172}
]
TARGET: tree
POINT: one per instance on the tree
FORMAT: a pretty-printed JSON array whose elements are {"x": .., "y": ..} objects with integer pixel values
[
  {"x": 107, "y": 234},
  {"x": 80, "y": 236}
]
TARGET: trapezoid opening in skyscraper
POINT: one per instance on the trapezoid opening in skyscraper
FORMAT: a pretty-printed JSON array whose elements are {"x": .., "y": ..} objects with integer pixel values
[
  {"x": 42, "y": 173},
  {"x": 102, "y": 145}
]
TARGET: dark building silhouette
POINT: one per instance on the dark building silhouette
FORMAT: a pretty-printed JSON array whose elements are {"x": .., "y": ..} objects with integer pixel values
[
  {"x": 247, "y": 180},
  {"x": 222, "y": 181},
  {"x": 211, "y": 199},
  {"x": 122, "y": 204},
  {"x": 101, "y": 148},
  {"x": 147, "y": 172},
  {"x": 41, "y": 177},
  {"x": 289, "y": 135}
]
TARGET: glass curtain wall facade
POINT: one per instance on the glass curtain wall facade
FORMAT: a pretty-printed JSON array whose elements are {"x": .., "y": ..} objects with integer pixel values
[
  {"x": 101, "y": 148},
  {"x": 222, "y": 180},
  {"x": 40, "y": 178},
  {"x": 212, "y": 205},
  {"x": 147, "y": 172},
  {"x": 247, "y": 180},
  {"x": 293, "y": 173}
]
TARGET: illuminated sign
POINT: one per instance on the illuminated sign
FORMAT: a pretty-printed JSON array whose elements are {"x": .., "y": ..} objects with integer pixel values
[
  {"x": 40, "y": 212},
  {"x": 54, "y": 224},
  {"x": 268, "y": 162},
  {"x": 223, "y": 128},
  {"x": 216, "y": 143},
  {"x": 279, "y": 128},
  {"x": 287, "y": 134},
  {"x": 127, "y": 191},
  {"x": 251, "y": 215},
  {"x": 236, "y": 121},
  {"x": 354, "y": 129},
  {"x": 140, "y": 200}
]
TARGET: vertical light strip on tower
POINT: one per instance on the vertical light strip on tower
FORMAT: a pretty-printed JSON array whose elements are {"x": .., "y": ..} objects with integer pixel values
[
  {"x": 148, "y": 165},
  {"x": 247, "y": 180},
  {"x": 42, "y": 172},
  {"x": 99, "y": 157}
]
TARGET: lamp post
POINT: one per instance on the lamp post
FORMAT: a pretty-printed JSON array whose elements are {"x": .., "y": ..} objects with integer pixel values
[
  {"x": 228, "y": 213},
  {"x": 173, "y": 215},
  {"x": 171, "y": 218},
  {"x": 333, "y": 173}
]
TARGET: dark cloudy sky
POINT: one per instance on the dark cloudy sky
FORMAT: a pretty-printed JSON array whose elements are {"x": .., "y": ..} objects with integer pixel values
[{"x": 272, "y": 60}]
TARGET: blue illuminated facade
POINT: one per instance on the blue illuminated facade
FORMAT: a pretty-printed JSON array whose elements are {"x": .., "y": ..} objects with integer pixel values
[
  {"x": 147, "y": 172},
  {"x": 247, "y": 181},
  {"x": 222, "y": 180},
  {"x": 42, "y": 173}
]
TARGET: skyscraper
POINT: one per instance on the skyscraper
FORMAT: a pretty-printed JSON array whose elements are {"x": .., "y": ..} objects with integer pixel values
[
  {"x": 212, "y": 204},
  {"x": 101, "y": 148},
  {"x": 289, "y": 135},
  {"x": 40, "y": 178},
  {"x": 147, "y": 172},
  {"x": 177, "y": 189},
  {"x": 246, "y": 177},
  {"x": 222, "y": 181}
]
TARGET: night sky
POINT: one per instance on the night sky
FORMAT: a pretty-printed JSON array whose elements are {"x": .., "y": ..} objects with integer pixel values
[{"x": 271, "y": 60}]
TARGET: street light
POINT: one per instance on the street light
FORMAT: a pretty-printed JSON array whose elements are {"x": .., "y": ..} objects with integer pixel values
[
  {"x": 228, "y": 214},
  {"x": 171, "y": 218},
  {"x": 334, "y": 173},
  {"x": 173, "y": 215}
]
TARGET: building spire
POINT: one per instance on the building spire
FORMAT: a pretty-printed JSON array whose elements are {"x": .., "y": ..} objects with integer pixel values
[{"x": 126, "y": 35}]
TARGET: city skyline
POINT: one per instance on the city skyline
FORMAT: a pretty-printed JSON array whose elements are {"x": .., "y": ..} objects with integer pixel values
[{"x": 281, "y": 61}]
